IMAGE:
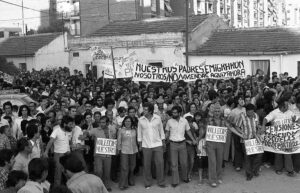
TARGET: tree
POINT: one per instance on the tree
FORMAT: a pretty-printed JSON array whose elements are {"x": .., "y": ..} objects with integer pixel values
[
  {"x": 8, "y": 67},
  {"x": 57, "y": 26}
]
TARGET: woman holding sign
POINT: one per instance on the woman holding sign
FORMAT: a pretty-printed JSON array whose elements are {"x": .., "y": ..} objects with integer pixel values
[
  {"x": 216, "y": 133},
  {"x": 127, "y": 145}
]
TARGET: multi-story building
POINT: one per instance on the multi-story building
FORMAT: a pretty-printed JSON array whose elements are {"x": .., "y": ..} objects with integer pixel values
[
  {"x": 293, "y": 13},
  {"x": 245, "y": 13}
]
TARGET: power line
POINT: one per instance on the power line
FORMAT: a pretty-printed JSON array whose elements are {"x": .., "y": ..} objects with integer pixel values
[{"x": 21, "y": 6}]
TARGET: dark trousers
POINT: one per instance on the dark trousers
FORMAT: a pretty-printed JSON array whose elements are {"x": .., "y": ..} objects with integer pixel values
[
  {"x": 238, "y": 151},
  {"x": 157, "y": 153},
  {"x": 191, "y": 152},
  {"x": 283, "y": 161},
  {"x": 215, "y": 159},
  {"x": 252, "y": 163},
  {"x": 80, "y": 155},
  {"x": 102, "y": 166},
  {"x": 128, "y": 162},
  {"x": 115, "y": 166},
  {"x": 178, "y": 151},
  {"x": 296, "y": 162}
]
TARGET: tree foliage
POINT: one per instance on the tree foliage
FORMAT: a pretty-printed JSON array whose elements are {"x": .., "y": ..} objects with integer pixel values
[{"x": 8, "y": 67}]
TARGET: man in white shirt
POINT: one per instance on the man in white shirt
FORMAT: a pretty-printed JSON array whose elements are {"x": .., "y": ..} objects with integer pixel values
[
  {"x": 279, "y": 116},
  {"x": 151, "y": 139},
  {"x": 175, "y": 131},
  {"x": 60, "y": 138}
]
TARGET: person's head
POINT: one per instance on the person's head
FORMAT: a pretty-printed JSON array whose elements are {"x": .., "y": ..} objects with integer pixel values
[
  {"x": 7, "y": 107},
  {"x": 104, "y": 121},
  {"x": 283, "y": 103},
  {"x": 176, "y": 99},
  {"x": 24, "y": 111},
  {"x": 38, "y": 170},
  {"x": 176, "y": 111},
  {"x": 131, "y": 111},
  {"x": 24, "y": 146},
  {"x": 216, "y": 110},
  {"x": 192, "y": 108},
  {"x": 198, "y": 116},
  {"x": 88, "y": 106},
  {"x": 99, "y": 101},
  {"x": 298, "y": 101},
  {"x": 6, "y": 158},
  {"x": 33, "y": 131},
  {"x": 239, "y": 101},
  {"x": 247, "y": 100},
  {"x": 67, "y": 123},
  {"x": 71, "y": 164},
  {"x": 97, "y": 116},
  {"x": 110, "y": 115},
  {"x": 32, "y": 106},
  {"x": 88, "y": 117},
  {"x": 128, "y": 122},
  {"x": 109, "y": 103},
  {"x": 16, "y": 179},
  {"x": 250, "y": 110},
  {"x": 148, "y": 109},
  {"x": 213, "y": 96},
  {"x": 72, "y": 111}
]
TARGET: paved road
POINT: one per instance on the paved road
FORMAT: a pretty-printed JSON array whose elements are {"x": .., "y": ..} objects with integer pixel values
[{"x": 233, "y": 182}]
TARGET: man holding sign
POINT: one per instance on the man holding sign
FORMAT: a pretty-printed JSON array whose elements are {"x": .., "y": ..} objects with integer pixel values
[
  {"x": 105, "y": 146},
  {"x": 248, "y": 124}
]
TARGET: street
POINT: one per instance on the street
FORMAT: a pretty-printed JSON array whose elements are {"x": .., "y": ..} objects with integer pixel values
[{"x": 233, "y": 182}]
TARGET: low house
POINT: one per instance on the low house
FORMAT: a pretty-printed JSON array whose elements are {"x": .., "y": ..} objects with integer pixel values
[
  {"x": 268, "y": 49},
  {"x": 158, "y": 41},
  {"x": 36, "y": 51}
]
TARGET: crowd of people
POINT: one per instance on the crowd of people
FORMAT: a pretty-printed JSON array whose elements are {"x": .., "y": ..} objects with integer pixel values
[{"x": 160, "y": 129}]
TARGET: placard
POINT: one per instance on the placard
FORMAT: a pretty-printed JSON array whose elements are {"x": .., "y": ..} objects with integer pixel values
[
  {"x": 106, "y": 146},
  {"x": 216, "y": 134},
  {"x": 283, "y": 137},
  {"x": 253, "y": 146}
]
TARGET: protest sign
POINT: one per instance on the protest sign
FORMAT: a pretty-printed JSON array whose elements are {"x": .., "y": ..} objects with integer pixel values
[
  {"x": 253, "y": 146},
  {"x": 283, "y": 137},
  {"x": 216, "y": 134},
  {"x": 188, "y": 73},
  {"x": 106, "y": 146}
]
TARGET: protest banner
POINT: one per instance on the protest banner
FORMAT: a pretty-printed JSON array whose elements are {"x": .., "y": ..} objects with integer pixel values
[
  {"x": 106, "y": 146},
  {"x": 188, "y": 73},
  {"x": 216, "y": 134},
  {"x": 283, "y": 137},
  {"x": 253, "y": 146},
  {"x": 6, "y": 77}
]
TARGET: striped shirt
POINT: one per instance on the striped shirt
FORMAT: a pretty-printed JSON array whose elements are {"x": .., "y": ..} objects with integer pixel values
[{"x": 247, "y": 125}]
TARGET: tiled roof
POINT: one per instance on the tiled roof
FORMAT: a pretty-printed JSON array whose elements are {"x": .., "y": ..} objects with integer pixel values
[
  {"x": 251, "y": 41},
  {"x": 150, "y": 26},
  {"x": 25, "y": 45}
]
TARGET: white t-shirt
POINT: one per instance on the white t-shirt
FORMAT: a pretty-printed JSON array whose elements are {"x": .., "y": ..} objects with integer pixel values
[
  {"x": 76, "y": 132},
  {"x": 61, "y": 140},
  {"x": 277, "y": 117}
]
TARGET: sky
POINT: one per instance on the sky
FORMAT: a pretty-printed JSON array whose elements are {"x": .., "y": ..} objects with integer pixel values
[
  {"x": 14, "y": 14},
  {"x": 11, "y": 16}
]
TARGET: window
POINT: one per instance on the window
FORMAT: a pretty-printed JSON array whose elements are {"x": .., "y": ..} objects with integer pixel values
[
  {"x": 11, "y": 33},
  {"x": 157, "y": 64},
  {"x": 75, "y": 54},
  {"x": 298, "y": 68},
  {"x": 1, "y": 34},
  {"x": 263, "y": 65},
  {"x": 23, "y": 67}
]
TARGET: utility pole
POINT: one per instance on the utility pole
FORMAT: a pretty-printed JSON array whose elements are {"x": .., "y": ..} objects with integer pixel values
[
  {"x": 108, "y": 11},
  {"x": 187, "y": 33},
  {"x": 23, "y": 25}
]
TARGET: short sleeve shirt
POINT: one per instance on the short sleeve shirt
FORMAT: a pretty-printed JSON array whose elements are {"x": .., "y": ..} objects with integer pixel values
[{"x": 61, "y": 140}]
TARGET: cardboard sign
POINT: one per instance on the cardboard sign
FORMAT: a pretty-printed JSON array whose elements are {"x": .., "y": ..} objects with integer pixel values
[
  {"x": 216, "y": 134},
  {"x": 6, "y": 77},
  {"x": 283, "y": 137},
  {"x": 253, "y": 146},
  {"x": 148, "y": 73},
  {"x": 106, "y": 146}
]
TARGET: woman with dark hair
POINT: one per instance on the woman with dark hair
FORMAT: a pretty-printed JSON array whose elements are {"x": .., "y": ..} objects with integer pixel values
[
  {"x": 23, "y": 114},
  {"x": 192, "y": 108},
  {"x": 127, "y": 145},
  {"x": 81, "y": 109},
  {"x": 24, "y": 148}
]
